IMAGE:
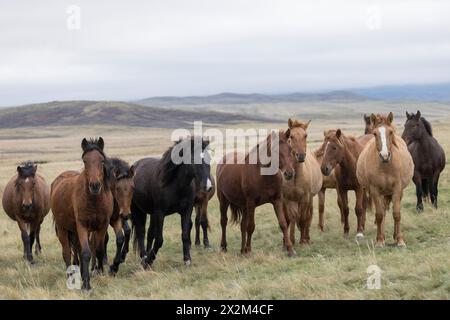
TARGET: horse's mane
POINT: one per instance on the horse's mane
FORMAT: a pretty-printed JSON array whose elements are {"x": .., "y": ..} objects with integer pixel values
[
  {"x": 166, "y": 167},
  {"x": 27, "y": 169},
  {"x": 298, "y": 124},
  {"x": 121, "y": 168},
  {"x": 93, "y": 144},
  {"x": 382, "y": 119},
  {"x": 266, "y": 144},
  {"x": 427, "y": 125}
]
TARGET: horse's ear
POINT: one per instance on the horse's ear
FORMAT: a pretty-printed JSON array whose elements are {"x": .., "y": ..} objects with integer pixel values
[
  {"x": 373, "y": 118},
  {"x": 132, "y": 171},
  {"x": 84, "y": 144},
  {"x": 324, "y": 133},
  {"x": 101, "y": 143},
  {"x": 19, "y": 170},
  {"x": 418, "y": 114},
  {"x": 290, "y": 123},
  {"x": 307, "y": 124},
  {"x": 287, "y": 133},
  {"x": 408, "y": 116},
  {"x": 390, "y": 117},
  {"x": 338, "y": 133},
  {"x": 366, "y": 119}
]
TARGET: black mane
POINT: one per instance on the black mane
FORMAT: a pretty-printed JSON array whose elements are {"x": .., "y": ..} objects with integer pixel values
[
  {"x": 27, "y": 169},
  {"x": 427, "y": 126},
  {"x": 121, "y": 168}
]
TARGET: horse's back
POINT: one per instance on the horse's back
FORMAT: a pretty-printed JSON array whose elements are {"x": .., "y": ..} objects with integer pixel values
[{"x": 61, "y": 199}]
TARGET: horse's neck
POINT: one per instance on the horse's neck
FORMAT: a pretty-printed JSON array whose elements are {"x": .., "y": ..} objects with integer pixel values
[
  {"x": 350, "y": 154},
  {"x": 184, "y": 176}
]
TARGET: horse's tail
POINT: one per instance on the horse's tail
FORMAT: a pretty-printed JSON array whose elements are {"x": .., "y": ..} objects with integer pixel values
[
  {"x": 137, "y": 218},
  {"x": 236, "y": 214}
]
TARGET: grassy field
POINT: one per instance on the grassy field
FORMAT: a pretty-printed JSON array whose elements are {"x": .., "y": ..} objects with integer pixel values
[{"x": 330, "y": 268}]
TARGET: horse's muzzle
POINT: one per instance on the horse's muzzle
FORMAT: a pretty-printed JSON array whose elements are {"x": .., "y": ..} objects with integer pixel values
[
  {"x": 300, "y": 157},
  {"x": 385, "y": 158},
  {"x": 95, "y": 187},
  {"x": 326, "y": 170},
  {"x": 27, "y": 206}
]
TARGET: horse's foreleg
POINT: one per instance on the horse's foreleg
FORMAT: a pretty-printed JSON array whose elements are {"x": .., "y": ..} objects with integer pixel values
[
  {"x": 360, "y": 212},
  {"x": 99, "y": 241},
  {"x": 38, "y": 248},
  {"x": 63, "y": 237},
  {"x": 120, "y": 246},
  {"x": 281, "y": 216},
  {"x": 398, "y": 236},
  {"x": 204, "y": 223},
  {"x": 321, "y": 208},
  {"x": 224, "y": 204},
  {"x": 127, "y": 232},
  {"x": 186, "y": 225},
  {"x": 344, "y": 210},
  {"x": 83, "y": 236},
  {"x": 379, "y": 217},
  {"x": 25, "y": 231},
  {"x": 419, "y": 192}
]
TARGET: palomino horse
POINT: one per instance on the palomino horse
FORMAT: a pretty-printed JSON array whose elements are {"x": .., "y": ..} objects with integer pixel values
[
  {"x": 340, "y": 156},
  {"x": 428, "y": 157},
  {"x": 122, "y": 186},
  {"x": 298, "y": 193},
  {"x": 245, "y": 186},
  {"x": 165, "y": 186},
  {"x": 385, "y": 168},
  {"x": 26, "y": 200},
  {"x": 85, "y": 199},
  {"x": 201, "y": 212}
]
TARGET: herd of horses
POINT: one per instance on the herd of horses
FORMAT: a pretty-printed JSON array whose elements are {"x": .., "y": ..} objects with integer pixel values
[{"x": 377, "y": 166}]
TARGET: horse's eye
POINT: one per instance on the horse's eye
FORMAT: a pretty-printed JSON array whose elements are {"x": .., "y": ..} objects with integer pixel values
[{"x": 306, "y": 136}]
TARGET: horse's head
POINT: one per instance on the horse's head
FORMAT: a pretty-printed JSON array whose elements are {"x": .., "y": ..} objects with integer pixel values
[
  {"x": 123, "y": 185},
  {"x": 333, "y": 150},
  {"x": 297, "y": 138},
  {"x": 202, "y": 163},
  {"x": 25, "y": 185},
  {"x": 369, "y": 125},
  {"x": 286, "y": 162},
  {"x": 414, "y": 127},
  {"x": 384, "y": 133},
  {"x": 94, "y": 164}
]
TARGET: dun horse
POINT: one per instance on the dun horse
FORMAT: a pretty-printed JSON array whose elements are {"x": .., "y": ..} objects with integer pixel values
[
  {"x": 385, "y": 168},
  {"x": 243, "y": 187},
  {"x": 428, "y": 157},
  {"x": 340, "y": 156},
  {"x": 298, "y": 193},
  {"x": 163, "y": 187},
  {"x": 201, "y": 213},
  {"x": 26, "y": 200},
  {"x": 84, "y": 200}
]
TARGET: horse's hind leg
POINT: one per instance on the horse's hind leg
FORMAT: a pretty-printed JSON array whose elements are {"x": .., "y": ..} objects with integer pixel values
[
  {"x": 344, "y": 210},
  {"x": 434, "y": 190},
  {"x": 426, "y": 189},
  {"x": 127, "y": 232},
  {"x": 321, "y": 208},
  {"x": 224, "y": 204},
  {"x": 120, "y": 246},
  {"x": 250, "y": 228},
  {"x": 204, "y": 223},
  {"x": 158, "y": 223},
  {"x": 360, "y": 212},
  {"x": 38, "y": 248},
  {"x": 26, "y": 239},
  {"x": 197, "y": 224}
]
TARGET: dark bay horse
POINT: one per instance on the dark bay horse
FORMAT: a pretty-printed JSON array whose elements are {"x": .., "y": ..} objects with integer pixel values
[
  {"x": 26, "y": 200},
  {"x": 165, "y": 186},
  {"x": 243, "y": 187},
  {"x": 201, "y": 212},
  {"x": 87, "y": 200},
  {"x": 428, "y": 157},
  {"x": 341, "y": 155},
  {"x": 122, "y": 186}
]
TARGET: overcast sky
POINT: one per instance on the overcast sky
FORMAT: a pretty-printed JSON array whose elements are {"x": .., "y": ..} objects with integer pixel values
[{"x": 127, "y": 50}]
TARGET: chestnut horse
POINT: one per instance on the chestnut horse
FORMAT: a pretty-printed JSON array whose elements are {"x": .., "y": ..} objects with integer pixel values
[
  {"x": 201, "y": 212},
  {"x": 428, "y": 157},
  {"x": 26, "y": 200},
  {"x": 244, "y": 186},
  {"x": 86, "y": 199},
  {"x": 385, "y": 168},
  {"x": 340, "y": 156},
  {"x": 298, "y": 193}
]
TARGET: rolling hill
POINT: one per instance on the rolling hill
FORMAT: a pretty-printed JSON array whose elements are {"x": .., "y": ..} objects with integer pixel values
[{"x": 67, "y": 113}]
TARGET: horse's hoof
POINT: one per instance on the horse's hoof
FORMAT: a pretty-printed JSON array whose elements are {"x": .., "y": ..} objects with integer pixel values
[
  {"x": 359, "y": 236},
  {"x": 113, "y": 271},
  {"x": 401, "y": 245},
  {"x": 419, "y": 208},
  {"x": 291, "y": 253},
  {"x": 197, "y": 244},
  {"x": 345, "y": 235},
  {"x": 379, "y": 244},
  {"x": 187, "y": 263},
  {"x": 223, "y": 249},
  {"x": 32, "y": 262},
  {"x": 320, "y": 228}
]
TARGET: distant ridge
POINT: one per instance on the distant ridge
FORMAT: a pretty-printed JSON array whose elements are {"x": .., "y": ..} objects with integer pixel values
[
  {"x": 238, "y": 98},
  {"x": 68, "y": 113}
]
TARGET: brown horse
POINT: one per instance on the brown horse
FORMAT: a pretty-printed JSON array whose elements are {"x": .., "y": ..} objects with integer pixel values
[
  {"x": 385, "y": 168},
  {"x": 87, "y": 200},
  {"x": 122, "y": 186},
  {"x": 368, "y": 125},
  {"x": 243, "y": 187},
  {"x": 298, "y": 193},
  {"x": 201, "y": 213},
  {"x": 428, "y": 157},
  {"x": 26, "y": 200},
  {"x": 340, "y": 156}
]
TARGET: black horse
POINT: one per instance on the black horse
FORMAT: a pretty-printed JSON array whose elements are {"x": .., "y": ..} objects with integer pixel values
[
  {"x": 428, "y": 157},
  {"x": 165, "y": 186}
]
